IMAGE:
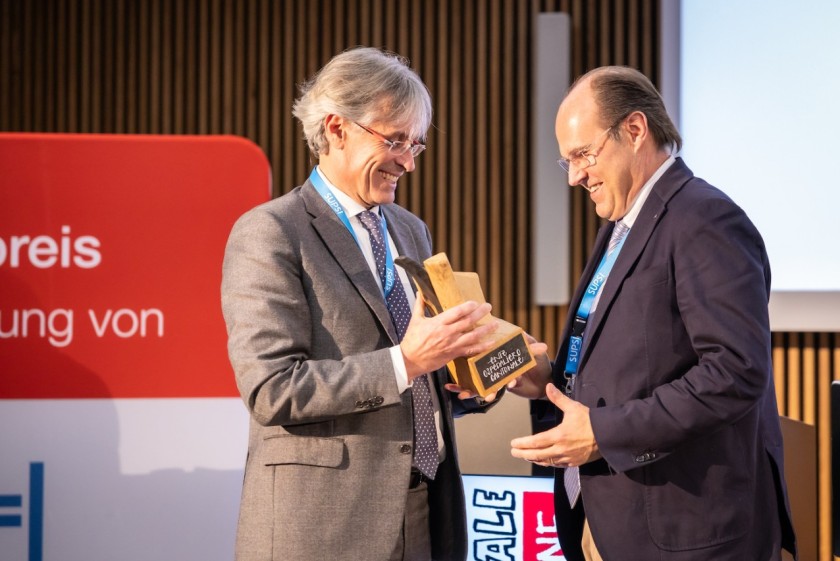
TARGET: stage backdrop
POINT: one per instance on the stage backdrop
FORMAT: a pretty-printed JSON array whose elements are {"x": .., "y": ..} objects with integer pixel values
[{"x": 123, "y": 436}]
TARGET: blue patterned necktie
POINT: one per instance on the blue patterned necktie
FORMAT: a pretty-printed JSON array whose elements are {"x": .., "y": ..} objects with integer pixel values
[
  {"x": 571, "y": 475},
  {"x": 425, "y": 432},
  {"x": 619, "y": 231}
]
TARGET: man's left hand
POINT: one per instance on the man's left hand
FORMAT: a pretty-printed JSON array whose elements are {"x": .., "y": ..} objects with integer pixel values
[
  {"x": 467, "y": 394},
  {"x": 571, "y": 443}
]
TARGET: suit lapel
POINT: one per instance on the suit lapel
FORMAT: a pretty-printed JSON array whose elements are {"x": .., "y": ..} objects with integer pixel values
[
  {"x": 630, "y": 252},
  {"x": 347, "y": 254},
  {"x": 654, "y": 208},
  {"x": 598, "y": 249}
]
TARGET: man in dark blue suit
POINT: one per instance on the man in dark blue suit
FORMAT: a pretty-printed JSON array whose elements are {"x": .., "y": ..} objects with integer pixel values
[{"x": 669, "y": 445}]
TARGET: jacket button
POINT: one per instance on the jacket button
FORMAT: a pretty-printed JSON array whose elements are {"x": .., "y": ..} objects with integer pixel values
[
  {"x": 378, "y": 400},
  {"x": 360, "y": 404},
  {"x": 405, "y": 449}
]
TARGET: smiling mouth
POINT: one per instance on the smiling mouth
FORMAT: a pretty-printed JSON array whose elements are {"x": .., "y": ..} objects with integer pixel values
[
  {"x": 389, "y": 176},
  {"x": 593, "y": 188}
]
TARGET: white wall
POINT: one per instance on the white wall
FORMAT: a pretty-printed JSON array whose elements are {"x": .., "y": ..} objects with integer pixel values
[{"x": 758, "y": 85}]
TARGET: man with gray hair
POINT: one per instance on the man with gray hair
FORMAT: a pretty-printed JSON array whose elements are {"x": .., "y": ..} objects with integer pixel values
[{"x": 351, "y": 452}]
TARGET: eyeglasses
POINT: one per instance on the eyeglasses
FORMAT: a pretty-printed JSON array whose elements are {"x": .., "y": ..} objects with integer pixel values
[
  {"x": 398, "y": 147},
  {"x": 585, "y": 158}
]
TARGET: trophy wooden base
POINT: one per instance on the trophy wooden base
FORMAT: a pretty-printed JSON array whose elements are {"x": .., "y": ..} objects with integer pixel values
[{"x": 443, "y": 288}]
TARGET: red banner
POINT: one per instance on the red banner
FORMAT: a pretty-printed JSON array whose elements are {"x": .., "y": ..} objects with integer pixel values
[{"x": 111, "y": 250}]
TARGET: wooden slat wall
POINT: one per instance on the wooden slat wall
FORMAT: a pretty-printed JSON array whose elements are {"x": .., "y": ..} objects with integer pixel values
[
  {"x": 233, "y": 66},
  {"x": 804, "y": 366}
]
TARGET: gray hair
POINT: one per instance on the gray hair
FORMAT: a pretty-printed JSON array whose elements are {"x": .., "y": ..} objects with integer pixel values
[
  {"x": 621, "y": 90},
  {"x": 364, "y": 85}
]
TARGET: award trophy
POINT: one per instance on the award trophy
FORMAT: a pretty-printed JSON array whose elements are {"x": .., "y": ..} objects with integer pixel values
[{"x": 442, "y": 288}]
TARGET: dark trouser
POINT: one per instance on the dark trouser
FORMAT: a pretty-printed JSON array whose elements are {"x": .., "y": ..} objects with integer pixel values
[{"x": 415, "y": 543}]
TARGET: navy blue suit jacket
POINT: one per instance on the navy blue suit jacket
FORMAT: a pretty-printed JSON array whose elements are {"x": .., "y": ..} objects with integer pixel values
[{"x": 677, "y": 373}]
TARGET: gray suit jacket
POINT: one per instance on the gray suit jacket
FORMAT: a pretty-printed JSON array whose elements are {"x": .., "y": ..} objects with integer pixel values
[{"x": 329, "y": 452}]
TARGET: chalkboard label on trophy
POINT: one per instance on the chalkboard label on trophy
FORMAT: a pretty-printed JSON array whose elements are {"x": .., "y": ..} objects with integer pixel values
[{"x": 503, "y": 361}]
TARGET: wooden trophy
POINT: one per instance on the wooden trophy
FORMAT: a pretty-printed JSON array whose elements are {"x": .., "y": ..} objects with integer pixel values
[{"x": 442, "y": 288}]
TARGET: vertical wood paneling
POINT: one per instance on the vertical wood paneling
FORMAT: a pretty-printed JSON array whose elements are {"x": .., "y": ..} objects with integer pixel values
[
  {"x": 184, "y": 30},
  {"x": 43, "y": 102},
  {"x": 809, "y": 379},
  {"x": 83, "y": 69},
  {"x": 465, "y": 135},
  {"x": 7, "y": 24},
  {"x": 234, "y": 67},
  {"x": 494, "y": 227},
  {"x": 793, "y": 371},
  {"x": 480, "y": 162},
  {"x": 440, "y": 167},
  {"x": 522, "y": 118},
  {"x": 823, "y": 422},
  {"x": 825, "y": 535},
  {"x": 805, "y": 364},
  {"x": 143, "y": 78},
  {"x": 263, "y": 115}
]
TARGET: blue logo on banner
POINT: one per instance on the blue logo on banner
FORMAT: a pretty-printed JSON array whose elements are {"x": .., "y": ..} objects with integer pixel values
[{"x": 36, "y": 511}]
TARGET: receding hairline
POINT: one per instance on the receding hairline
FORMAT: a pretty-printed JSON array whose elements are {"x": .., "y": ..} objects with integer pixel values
[{"x": 585, "y": 84}]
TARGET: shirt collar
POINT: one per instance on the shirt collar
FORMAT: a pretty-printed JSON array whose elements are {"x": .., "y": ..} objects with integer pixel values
[
  {"x": 351, "y": 207},
  {"x": 630, "y": 217}
]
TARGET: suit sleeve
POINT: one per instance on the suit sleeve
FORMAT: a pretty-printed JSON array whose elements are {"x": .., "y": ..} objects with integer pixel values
[
  {"x": 717, "y": 293},
  {"x": 304, "y": 346}
]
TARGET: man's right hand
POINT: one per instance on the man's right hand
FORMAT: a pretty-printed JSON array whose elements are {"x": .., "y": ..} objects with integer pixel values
[{"x": 431, "y": 342}]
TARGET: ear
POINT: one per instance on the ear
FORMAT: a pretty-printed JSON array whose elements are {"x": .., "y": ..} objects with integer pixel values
[
  {"x": 636, "y": 126},
  {"x": 335, "y": 129}
]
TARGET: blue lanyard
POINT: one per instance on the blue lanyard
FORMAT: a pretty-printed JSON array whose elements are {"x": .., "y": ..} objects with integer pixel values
[
  {"x": 582, "y": 315},
  {"x": 326, "y": 194}
]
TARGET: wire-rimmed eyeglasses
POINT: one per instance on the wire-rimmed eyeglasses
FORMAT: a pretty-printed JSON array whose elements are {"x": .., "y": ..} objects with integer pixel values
[
  {"x": 585, "y": 158},
  {"x": 397, "y": 147}
]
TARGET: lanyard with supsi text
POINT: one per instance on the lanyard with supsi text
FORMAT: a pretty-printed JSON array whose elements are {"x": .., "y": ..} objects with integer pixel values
[
  {"x": 582, "y": 315},
  {"x": 329, "y": 198}
]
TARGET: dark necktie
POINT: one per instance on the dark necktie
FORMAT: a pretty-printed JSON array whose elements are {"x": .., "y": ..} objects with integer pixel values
[
  {"x": 425, "y": 433},
  {"x": 571, "y": 476}
]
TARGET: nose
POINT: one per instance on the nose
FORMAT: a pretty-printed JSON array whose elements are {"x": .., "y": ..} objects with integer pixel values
[
  {"x": 406, "y": 161},
  {"x": 577, "y": 175}
]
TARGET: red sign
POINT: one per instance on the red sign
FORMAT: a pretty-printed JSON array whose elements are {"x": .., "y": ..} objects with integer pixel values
[
  {"x": 111, "y": 251},
  {"x": 539, "y": 532}
]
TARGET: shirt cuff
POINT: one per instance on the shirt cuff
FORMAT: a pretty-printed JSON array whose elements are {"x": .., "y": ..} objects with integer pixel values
[{"x": 400, "y": 371}]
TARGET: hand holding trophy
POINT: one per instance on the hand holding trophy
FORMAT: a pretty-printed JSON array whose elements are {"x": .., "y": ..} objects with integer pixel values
[{"x": 443, "y": 288}]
